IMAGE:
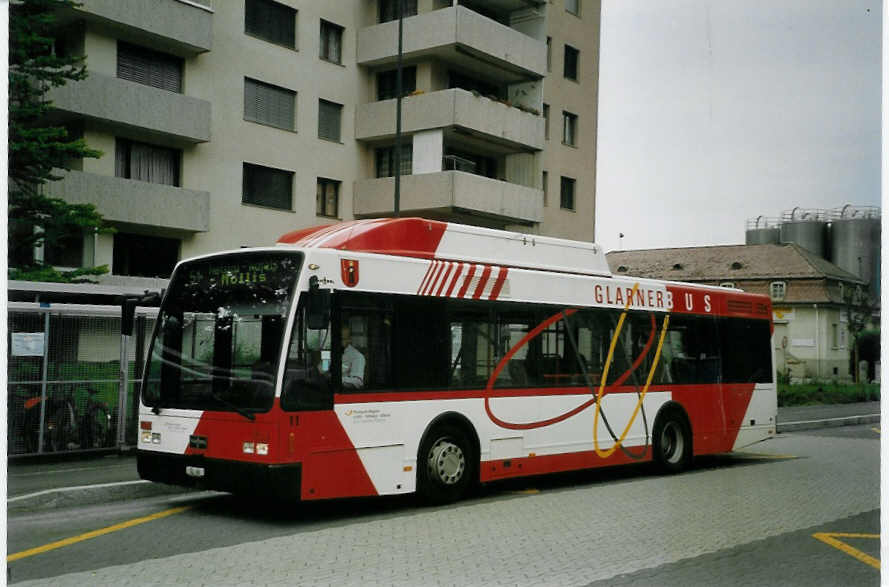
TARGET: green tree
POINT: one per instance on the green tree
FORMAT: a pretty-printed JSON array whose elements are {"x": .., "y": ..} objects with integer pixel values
[
  {"x": 37, "y": 150},
  {"x": 859, "y": 308}
]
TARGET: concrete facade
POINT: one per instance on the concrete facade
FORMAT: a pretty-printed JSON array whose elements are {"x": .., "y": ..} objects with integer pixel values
[{"x": 453, "y": 46}]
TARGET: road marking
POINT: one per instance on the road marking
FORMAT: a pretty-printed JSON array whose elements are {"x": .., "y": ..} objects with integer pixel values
[
  {"x": 95, "y": 533},
  {"x": 526, "y": 492},
  {"x": 56, "y": 472},
  {"x": 762, "y": 455},
  {"x": 831, "y": 539},
  {"x": 875, "y": 429}
]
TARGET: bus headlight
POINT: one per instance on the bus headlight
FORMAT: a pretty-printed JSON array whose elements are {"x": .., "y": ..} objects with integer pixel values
[
  {"x": 249, "y": 448},
  {"x": 262, "y": 448},
  {"x": 146, "y": 436}
]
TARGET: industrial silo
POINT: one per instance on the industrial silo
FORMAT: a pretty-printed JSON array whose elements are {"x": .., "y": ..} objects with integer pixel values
[
  {"x": 762, "y": 231},
  {"x": 806, "y": 228},
  {"x": 855, "y": 242}
]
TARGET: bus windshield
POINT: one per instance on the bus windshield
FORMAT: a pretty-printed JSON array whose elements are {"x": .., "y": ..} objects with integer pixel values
[{"x": 220, "y": 331}]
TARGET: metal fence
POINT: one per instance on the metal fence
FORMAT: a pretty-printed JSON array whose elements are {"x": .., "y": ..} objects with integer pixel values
[{"x": 66, "y": 388}]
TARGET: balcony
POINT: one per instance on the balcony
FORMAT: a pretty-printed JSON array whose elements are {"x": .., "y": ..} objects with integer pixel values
[
  {"x": 485, "y": 118},
  {"x": 450, "y": 193},
  {"x": 181, "y": 27},
  {"x": 460, "y": 36},
  {"x": 136, "y": 202},
  {"x": 122, "y": 103}
]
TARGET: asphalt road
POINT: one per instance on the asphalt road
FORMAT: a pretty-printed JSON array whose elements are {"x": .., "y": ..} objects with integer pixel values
[{"x": 744, "y": 519}]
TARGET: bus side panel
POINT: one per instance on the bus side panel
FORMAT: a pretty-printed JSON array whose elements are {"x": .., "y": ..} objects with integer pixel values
[
  {"x": 716, "y": 413},
  {"x": 760, "y": 419}
]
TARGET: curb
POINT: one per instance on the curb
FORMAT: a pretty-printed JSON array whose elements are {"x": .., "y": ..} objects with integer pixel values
[
  {"x": 82, "y": 495},
  {"x": 827, "y": 423}
]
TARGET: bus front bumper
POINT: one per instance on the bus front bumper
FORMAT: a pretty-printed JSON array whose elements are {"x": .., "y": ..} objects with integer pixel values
[{"x": 280, "y": 481}]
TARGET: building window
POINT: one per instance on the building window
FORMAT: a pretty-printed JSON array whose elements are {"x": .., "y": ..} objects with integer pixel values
[
  {"x": 387, "y": 81},
  {"x": 329, "y": 116},
  {"x": 268, "y": 104},
  {"x": 778, "y": 290},
  {"x": 328, "y": 198},
  {"x": 835, "y": 336},
  {"x": 569, "y": 129},
  {"x": 571, "y": 57},
  {"x": 331, "y": 42},
  {"x": 385, "y": 161},
  {"x": 144, "y": 162},
  {"x": 566, "y": 200},
  {"x": 65, "y": 250},
  {"x": 389, "y": 9},
  {"x": 271, "y": 21},
  {"x": 730, "y": 284},
  {"x": 149, "y": 68},
  {"x": 549, "y": 54},
  {"x": 265, "y": 186},
  {"x": 573, "y": 6},
  {"x": 546, "y": 121},
  {"x": 545, "y": 181},
  {"x": 144, "y": 256}
]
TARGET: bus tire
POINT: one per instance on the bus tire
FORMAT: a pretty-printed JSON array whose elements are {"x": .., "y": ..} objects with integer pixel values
[
  {"x": 672, "y": 441},
  {"x": 445, "y": 464}
]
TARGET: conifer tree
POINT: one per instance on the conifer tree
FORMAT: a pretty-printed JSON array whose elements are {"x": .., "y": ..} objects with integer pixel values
[{"x": 37, "y": 150}]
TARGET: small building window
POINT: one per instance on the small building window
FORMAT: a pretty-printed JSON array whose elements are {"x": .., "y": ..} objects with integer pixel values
[
  {"x": 387, "y": 82},
  {"x": 569, "y": 129},
  {"x": 144, "y": 256},
  {"x": 268, "y": 104},
  {"x": 545, "y": 180},
  {"x": 730, "y": 284},
  {"x": 149, "y": 68},
  {"x": 566, "y": 200},
  {"x": 737, "y": 265},
  {"x": 385, "y": 161},
  {"x": 271, "y": 21},
  {"x": 549, "y": 54},
  {"x": 677, "y": 266},
  {"x": 389, "y": 9},
  {"x": 329, "y": 120},
  {"x": 331, "y": 42},
  {"x": 328, "y": 198},
  {"x": 571, "y": 58},
  {"x": 573, "y": 6},
  {"x": 266, "y": 186},
  {"x": 546, "y": 121},
  {"x": 777, "y": 290},
  {"x": 144, "y": 162}
]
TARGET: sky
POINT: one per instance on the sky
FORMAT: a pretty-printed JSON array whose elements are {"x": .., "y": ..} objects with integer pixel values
[{"x": 715, "y": 111}]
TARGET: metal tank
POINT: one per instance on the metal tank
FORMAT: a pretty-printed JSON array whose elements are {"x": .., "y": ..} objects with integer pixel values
[
  {"x": 807, "y": 228},
  {"x": 762, "y": 231},
  {"x": 855, "y": 242}
]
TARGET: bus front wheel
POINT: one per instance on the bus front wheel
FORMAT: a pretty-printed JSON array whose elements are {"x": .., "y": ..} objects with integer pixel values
[
  {"x": 445, "y": 465},
  {"x": 671, "y": 441}
]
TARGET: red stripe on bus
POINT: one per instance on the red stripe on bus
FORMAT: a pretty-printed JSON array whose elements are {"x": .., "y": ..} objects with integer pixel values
[
  {"x": 455, "y": 279},
  {"x": 426, "y": 278},
  {"x": 541, "y": 464},
  {"x": 444, "y": 278},
  {"x": 482, "y": 282},
  {"x": 467, "y": 281},
  {"x": 498, "y": 285},
  {"x": 430, "y": 287}
]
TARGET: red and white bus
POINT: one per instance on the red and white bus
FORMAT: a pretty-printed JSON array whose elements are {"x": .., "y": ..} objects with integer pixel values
[{"x": 390, "y": 356}]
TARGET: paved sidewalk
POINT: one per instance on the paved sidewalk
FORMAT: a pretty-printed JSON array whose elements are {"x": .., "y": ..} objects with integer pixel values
[{"x": 32, "y": 486}]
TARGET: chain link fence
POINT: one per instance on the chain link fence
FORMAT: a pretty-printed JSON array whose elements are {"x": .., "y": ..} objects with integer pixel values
[{"x": 66, "y": 389}]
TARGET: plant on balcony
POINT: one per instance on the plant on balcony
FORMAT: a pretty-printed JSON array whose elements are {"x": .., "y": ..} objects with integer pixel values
[{"x": 37, "y": 149}]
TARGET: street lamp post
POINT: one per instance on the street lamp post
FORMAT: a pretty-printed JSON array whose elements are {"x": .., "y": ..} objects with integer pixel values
[{"x": 398, "y": 92}]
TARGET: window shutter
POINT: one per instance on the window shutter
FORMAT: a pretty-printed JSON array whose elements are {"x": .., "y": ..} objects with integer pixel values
[
  {"x": 329, "y": 115},
  {"x": 269, "y": 104},
  {"x": 271, "y": 21},
  {"x": 149, "y": 68}
]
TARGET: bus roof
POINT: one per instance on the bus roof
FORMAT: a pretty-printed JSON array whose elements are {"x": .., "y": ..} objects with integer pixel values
[{"x": 432, "y": 239}]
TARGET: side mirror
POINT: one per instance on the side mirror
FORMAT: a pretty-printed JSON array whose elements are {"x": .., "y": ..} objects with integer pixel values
[
  {"x": 128, "y": 309},
  {"x": 317, "y": 306}
]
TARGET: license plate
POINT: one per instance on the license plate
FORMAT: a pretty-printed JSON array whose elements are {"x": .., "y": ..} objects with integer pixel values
[{"x": 194, "y": 471}]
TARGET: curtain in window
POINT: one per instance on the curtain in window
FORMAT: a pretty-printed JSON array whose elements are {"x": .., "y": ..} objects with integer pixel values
[
  {"x": 144, "y": 162},
  {"x": 331, "y": 42}
]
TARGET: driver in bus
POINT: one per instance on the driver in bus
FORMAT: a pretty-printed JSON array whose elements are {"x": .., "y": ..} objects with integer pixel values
[{"x": 353, "y": 362}]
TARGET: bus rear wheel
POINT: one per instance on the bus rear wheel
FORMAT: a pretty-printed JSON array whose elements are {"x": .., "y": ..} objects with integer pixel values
[
  {"x": 445, "y": 465},
  {"x": 672, "y": 441}
]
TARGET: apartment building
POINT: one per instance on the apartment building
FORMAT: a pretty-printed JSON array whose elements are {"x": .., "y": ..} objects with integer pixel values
[{"x": 226, "y": 123}]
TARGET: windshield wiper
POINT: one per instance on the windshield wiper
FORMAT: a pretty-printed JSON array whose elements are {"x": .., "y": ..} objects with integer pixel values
[{"x": 228, "y": 404}]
